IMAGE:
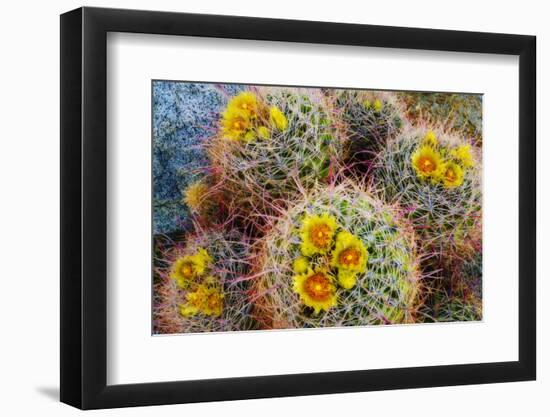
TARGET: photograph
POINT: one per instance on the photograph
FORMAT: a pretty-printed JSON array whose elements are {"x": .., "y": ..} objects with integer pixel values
[
  {"x": 299, "y": 207},
  {"x": 247, "y": 208}
]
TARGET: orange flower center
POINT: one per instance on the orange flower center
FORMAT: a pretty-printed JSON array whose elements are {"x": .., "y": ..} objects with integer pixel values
[
  {"x": 237, "y": 124},
  {"x": 450, "y": 175},
  {"x": 350, "y": 256},
  {"x": 214, "y": 301},
  {"x": 320, "y": 235},
  {"x": 187, "y": 270},
  {"x": 426, "y": 164},
  {"x": 318, "y": 287}
]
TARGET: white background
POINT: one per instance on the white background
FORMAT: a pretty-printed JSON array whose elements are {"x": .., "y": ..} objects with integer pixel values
[
  {"x": 134, "y": 356},
  {"x": 29, "y": 213}
]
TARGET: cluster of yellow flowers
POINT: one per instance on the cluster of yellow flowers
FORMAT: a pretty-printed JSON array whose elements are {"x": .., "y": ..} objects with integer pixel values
[
  {"x": 205, "y": 299},
  {"x": 247, "y": 119},
  {"x": 343, "y": 252},
  {"x": 204, "y": 295},
  {"x": 435, "y": 163}
]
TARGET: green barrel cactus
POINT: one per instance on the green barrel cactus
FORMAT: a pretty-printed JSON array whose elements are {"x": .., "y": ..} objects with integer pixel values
[
  {"x": 452, "y": 309},
  {"x": 436, "y": 179},
  {"x": 273, "y": 143},
  {"x": 199, "y": 285},
  {"x": 369, "y": 120},
  {"x": 469, "y": 279},
  {"x": 339, "y": 257},
  {"x": 455, "y": 293}
]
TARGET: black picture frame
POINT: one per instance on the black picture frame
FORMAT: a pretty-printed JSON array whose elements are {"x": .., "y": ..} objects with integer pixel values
[{"x": 84, "y": 207}]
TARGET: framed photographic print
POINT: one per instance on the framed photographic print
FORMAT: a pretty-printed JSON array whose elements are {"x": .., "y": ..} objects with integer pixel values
[{"x": 256, "y": 208}]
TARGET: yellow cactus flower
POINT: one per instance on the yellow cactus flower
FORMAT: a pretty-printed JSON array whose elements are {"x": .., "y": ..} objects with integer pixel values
[
  {"x": 214, "y": 303},
  {"x": 463, "y": 154},
  {"x": 430, "y": 139},
  {"x": 195, "y": 194},
  {"x": 347, "y": 280},
  {"x": 317, "y": 233},
  {"x": 183, "y": 271},
  {"x": 238, "y": 118},
  {"x": 350, "y": 257},
  {"x": 203, "y": 259},
  {"x": 452, "y": 175},
  {"x": 186, "y": 268},
  {"x": 263, "y": 132},
  {"x": 278, "y": 119},
  {"x": 187, "y": 310},
  {"x": 205, "y": 299},
  {"x": 245, "y": 102},
  {"x": 249, "y": 136},
  {"x": 426, "y": 161},
  {"x": 367, "y": 104},
  {"x": 316, "y": 290},
  {"x": 378, "y": 105},
  {"x": 300, "y": 265},
  {"x": 235, "y": 123}
]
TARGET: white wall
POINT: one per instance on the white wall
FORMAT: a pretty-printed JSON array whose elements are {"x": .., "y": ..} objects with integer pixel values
[{"x": 29, "y": 176}]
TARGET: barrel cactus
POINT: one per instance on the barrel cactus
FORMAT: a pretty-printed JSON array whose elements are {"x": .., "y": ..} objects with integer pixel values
[
  {"x": 454, "y": 292},
  {"x": 436, "y": 178},
  {"x": 199, "y": 285},
  {"x": 338, "y": 257},
  {"x": 455, "y": 308},
  {"x": 369, "y": 120},
  {"x": 464, "y": 266},
  {"x": 272, "y": 143},
  {"x": 468, "y": 283}
]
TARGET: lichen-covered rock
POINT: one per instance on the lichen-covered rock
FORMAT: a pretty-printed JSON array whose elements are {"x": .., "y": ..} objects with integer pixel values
[{"x": 184, "y": 116}]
